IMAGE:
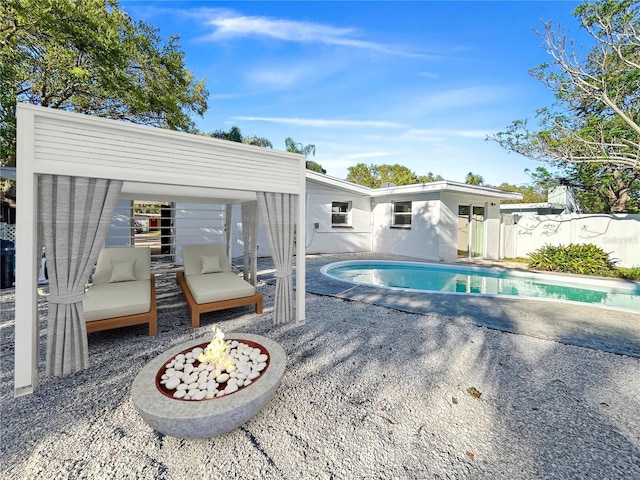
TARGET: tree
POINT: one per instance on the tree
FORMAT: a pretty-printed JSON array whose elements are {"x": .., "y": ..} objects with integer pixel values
[
  {"x": 235, "y": 135},
  {"x": 430, "y": 177},
  {"x": 473, "y": 179},
  {"x": 374, "y": 176},
  {"x": 90, "y": 57},
  {"x": 257, "y": 141},
  {"x": 305, "y": 150},
  {"x": 596, "y": 117}
]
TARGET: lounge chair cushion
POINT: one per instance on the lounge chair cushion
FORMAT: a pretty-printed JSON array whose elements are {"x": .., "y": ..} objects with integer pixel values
[
  {"x": 192, "y": 257},
  {"x": 140, "y": 255},
  {"x": 109, "y": 300},
  {"x": 213, "y": 287}
]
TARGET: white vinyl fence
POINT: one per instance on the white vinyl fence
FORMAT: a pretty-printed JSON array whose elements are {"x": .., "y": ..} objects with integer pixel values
[{"x": 618, "y": 235}]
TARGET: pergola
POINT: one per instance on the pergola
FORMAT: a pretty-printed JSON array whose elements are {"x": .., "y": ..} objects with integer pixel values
[{"x": 139, "y": 161}]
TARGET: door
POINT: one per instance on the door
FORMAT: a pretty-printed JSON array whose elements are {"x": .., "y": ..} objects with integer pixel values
[{"x": 470, "y": 231}]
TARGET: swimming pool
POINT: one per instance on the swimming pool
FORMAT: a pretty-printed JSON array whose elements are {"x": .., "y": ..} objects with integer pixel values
[{"x": 471, "y": 280}]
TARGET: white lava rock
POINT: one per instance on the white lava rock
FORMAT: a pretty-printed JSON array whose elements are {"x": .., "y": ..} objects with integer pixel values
[
  {"x": 199, "y": 395},
  {"x": 231, "y": 388},
  {"x": 172, "y": 383},
  {"x": 190, "y": 378}
]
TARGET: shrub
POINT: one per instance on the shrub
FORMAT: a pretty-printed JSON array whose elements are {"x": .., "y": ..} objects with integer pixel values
[
  {"x": 582, "y": 259},
  {"x": 628, "y": 273}
]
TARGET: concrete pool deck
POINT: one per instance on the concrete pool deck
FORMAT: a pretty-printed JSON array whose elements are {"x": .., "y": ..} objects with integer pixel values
[{"x": 605, "y": 329}]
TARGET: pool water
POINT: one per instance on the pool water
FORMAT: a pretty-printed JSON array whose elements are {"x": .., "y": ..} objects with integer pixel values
[{"x": 487, "y": 281}]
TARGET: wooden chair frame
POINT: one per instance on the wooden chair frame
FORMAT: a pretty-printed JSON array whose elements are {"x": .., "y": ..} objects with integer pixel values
[{"x": 198, "y": 308}]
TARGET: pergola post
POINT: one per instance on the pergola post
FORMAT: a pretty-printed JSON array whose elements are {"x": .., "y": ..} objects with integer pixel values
[{"x": 26, "y": 326}]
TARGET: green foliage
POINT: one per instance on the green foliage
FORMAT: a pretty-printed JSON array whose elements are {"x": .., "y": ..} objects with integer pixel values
[
  {"x": 315, "y": 166},
  {"x": 473, "y": 179},
  {"x": 581, "y": 259},
  {"x": 305, "y": 150},
  {"x": 91, "y": 57},
  {"x": 235, "y": 135},
  {"x": 374, "y": 176},
  {"x": 592, "y": 131},
  {"x": 628, "y": 273}
]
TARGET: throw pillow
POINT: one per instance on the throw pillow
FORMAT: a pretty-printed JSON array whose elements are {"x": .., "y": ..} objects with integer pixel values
[
  {"x": 123, "y": 271},
  {"x": 210, "y": 264}
]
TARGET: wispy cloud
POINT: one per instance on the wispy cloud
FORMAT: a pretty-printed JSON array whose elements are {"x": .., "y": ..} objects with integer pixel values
[
  {"x": 438, "y": 133},
  {"x": 227, "y": 24},
  {"x": 323, "y": 123}
]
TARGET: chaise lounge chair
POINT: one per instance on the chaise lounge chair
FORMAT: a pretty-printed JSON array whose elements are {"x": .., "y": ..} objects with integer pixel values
[
  {"x": 209, "y": 284},
  {"x": 123, "y": 291}
]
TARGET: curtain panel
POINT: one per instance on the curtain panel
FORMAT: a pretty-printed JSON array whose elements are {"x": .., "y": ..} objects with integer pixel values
[
  {"x": 75, "y": 214},
  {"x": 277, "y": 211},
  {"x": 250, "y": 240}
]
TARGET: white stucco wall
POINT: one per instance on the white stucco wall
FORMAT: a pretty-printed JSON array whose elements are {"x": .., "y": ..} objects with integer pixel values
[
  {"x": 328, "y": 239},
  {"x": 421, "y": 240},
  {"x": 618, "y": 235}
]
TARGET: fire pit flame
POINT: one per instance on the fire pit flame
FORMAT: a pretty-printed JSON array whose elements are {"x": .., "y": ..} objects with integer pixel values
[{"x": 216, "y": 352}]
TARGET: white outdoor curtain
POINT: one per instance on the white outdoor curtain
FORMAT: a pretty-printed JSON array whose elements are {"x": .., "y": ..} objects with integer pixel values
[
  {"x": 249, "y": 239},
  {"x": 75, "y": 214},
  {"x": 278, "y": 217},
  {"x": 228, "y": 222}
]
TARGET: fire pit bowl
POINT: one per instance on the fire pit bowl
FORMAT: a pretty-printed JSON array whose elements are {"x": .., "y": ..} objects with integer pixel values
[{"x": 205, "y": 418}]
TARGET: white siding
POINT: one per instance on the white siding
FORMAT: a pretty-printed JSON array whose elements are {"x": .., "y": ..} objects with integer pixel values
[{"x": 71, "y": 144}]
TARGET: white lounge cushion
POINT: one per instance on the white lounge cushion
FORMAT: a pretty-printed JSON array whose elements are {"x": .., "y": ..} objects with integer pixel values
[
  {"x": 213, "y": 287},
  {"x": 140, "y": 255},
  {"x": 110, "y": 300},
  {"x": 192, "y": 256}
]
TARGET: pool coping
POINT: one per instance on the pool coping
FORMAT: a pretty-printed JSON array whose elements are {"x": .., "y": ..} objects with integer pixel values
[{"x": 596, "y": 327}]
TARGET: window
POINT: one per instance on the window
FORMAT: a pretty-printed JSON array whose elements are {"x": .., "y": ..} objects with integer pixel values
[
  {"x": 340, "y": 214},
  {"x": 401, "y": 215}
]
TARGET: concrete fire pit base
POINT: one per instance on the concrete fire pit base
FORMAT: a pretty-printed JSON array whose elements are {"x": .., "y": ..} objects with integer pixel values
[{"x": 205, "y": 418}]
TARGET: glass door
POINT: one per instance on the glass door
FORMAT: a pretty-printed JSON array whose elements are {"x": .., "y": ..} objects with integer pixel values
[
  {"x": 477, "y": 232},
  {"x": 470, "y": 231},
  {"x": 464, "y": 230}
]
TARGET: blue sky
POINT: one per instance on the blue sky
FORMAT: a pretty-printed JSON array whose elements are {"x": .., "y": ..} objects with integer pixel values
[{"x": 415, "y": 83}]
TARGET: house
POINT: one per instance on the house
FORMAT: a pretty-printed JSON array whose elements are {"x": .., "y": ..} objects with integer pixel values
[
  {"x": 438, "y": 221},
  {"x": 560, "y": 200}
]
